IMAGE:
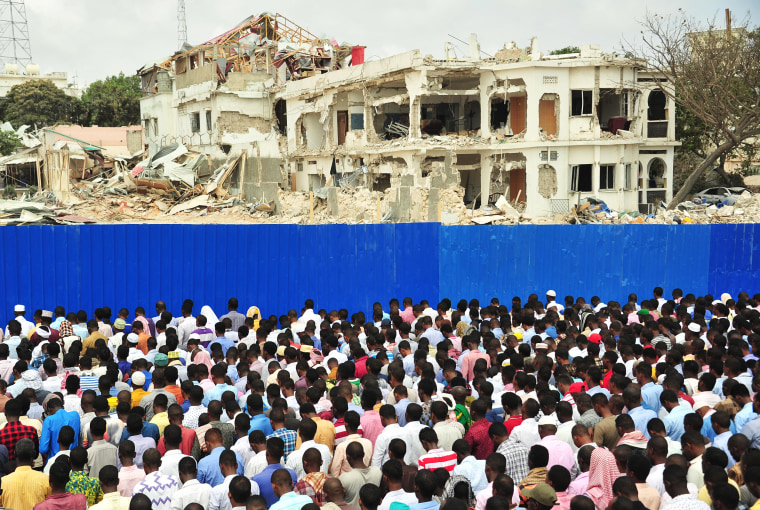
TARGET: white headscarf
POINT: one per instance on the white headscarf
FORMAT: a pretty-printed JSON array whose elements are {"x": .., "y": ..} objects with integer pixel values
[{"x": 211, "y": 318}]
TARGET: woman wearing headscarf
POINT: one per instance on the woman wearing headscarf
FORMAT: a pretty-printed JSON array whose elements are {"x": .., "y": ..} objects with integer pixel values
[
  {"x": 458, "y": 487},
  {"x": 602, "y": 473},
  {"x": 254, "y": 313}
]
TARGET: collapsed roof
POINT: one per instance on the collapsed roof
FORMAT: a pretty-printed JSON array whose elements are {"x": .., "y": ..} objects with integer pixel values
[{"x": 259, "y": 43}]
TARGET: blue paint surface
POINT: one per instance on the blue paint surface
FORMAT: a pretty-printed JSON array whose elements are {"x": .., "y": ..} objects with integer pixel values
[{"x": 277, "y": 267}]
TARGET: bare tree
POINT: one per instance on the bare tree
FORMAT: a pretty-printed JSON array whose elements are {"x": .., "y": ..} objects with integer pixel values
[{"x": 712, "y": 73}]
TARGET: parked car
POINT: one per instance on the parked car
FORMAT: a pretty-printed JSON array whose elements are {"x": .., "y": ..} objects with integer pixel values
[{"x": 718, "y": 195}]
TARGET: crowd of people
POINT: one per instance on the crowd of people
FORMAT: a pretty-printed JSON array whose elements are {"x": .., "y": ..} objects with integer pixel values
[{"x": 534, "y": 404}]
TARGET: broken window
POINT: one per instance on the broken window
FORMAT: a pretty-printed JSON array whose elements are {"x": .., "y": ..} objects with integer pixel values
[
  {"x": 582, "y": 102},
  {"x": 342, "y": 126},
  {"x": 657, "y": 169},
  {"x": 612, "y": 110},
  {"x": 281, "y": 114},
  {"x": 580, "y": 178},
  {"x": 469, "y": 177},
  {"x": 547, "y": 114},
  {"x": 440, "y": 117},
  {"x": 606, "y": 177},
  {"x": 472, "y": 116},
  {"x": 195, "y": 122},
  {"x": 208, "y": 120},
  {"x": 391, "y": 120},
  {"x": 499, "y": 113}
]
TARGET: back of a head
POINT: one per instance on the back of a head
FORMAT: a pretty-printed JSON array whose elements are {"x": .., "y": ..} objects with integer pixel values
[
  {"x": 425, "y": 483},
  {"x": 370, "y": 496},
  {"x": 140, "y": 502},
  {"x": 726, "y": 494},
  {"x": 582, "y": 503}
]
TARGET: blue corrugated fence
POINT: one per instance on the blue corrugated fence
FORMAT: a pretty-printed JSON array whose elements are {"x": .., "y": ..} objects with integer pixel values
[{"x": 277, "y": 267}]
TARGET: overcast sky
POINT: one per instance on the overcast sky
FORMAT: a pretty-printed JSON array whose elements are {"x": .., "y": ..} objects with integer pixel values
[{"x": 92, "y": 39}]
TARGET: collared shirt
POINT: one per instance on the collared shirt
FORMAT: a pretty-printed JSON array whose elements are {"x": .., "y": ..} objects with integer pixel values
[
  {"x": 289, "y": 437},
  {"x": 641, "y": 417},
  {"x": 142, "y": 443},
  {"x": 264, "y": 481},
  {"x": 112, "y": 501},
  {"x": 744, "y": 416},
  {"x": 219, "y": 499},
  {"x": 447, "y": 434},
  {"x": 51, "y": 426},
  {"x": 295, "y": 460},
  {"x": 192, "y": 491},
  {"x": 63, "y": 501},
  {"x": 752, "y": 431},
  {"x": 560, "y": 453},
  {"x": 216, "y": 393},
  {"x": 371, "y": 425},
  {"x": 400, "y": 407},
  {"x": 13, "y": 432},
  {"x": 721, "y": 441},
  {"x": 428, "y": 505},
  {"x": 339, "y": 464},
  {"x": 159, "y": 488},
  {"x": 686, "y": 502},
  {"x": 516, "y": 455},
  {"x": 100, "y": 454},
  {"x": 480, "y": 443},
  {"x": 170, "y": 462},
  {"x": 408, "y": 498},
  {"x": 262, "y": 423},
  {"x": 208, "y": 467},
  {"x": 650, "y": 394},
  {"x": 224, "y": 342},
  {"x": 129, "y": 477},
  {"x": 674, "y": 422},
  {"x": 80, "y": 483},
  {"x": 393, "y": 431},
  {"x": 191, "y": 416},
  {"x": 291, "y": 501},
  {"x": 474, "y": 470},
  {"x": 24, "y": 488}
]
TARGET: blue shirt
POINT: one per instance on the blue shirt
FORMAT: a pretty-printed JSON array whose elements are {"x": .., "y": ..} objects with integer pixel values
[
  {"x": 752, "y": 431},
  {"x": 225, "y": 342},
  {"x": 650, "y": 394},
  {"x": 430, "y": 505},
  {"x": 721, "y": 441},
  {"x": 291, "y": 501},
  {"x": 52, "y": 425},
  {"x": 148, "y": 430},
  {"x": 641, "y": 417},
  {"x": 262, "y": 423},
  {"x": 598, "y": 389},
  {"x": 744, "y": 416},
  {"x": 216, "y": 392},
  {"x": 674, "y": 422},
  {"x": 400, "y": 407},
  {"x": 208, "y": 467},
  {"x": 264, "y": 480}
]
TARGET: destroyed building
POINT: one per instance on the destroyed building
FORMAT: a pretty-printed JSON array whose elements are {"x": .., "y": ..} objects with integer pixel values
[{"x": 544, "y": 132}]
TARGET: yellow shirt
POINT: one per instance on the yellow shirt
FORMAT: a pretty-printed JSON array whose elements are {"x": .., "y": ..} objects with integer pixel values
[
  {"x": 24, "y": 488},
  {"x": 137, "y": 395},
  {"x": 161, "y": 420}
]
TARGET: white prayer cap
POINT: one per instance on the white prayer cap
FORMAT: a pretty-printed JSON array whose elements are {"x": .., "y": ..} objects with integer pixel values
[
  {"x": 132, "y": 338},
  {"x": 19, "y": 308},
  {"x": 694, "y": 327},
  {"x": 551, "y": 293}
]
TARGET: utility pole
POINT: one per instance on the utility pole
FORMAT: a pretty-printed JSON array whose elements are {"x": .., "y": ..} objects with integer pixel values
[
  {"x": 181, "y": 24},
  {"x": 14, "y": 33}
]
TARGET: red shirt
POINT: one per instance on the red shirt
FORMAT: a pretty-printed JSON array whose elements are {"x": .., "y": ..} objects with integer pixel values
[
  {"x": 185, "y": 446},
  {"x": 480, "y": 444},
  {"x": 438, "y": 458},
  {"x": 361, "y": 367},
  {"x": 65, "y": 501},
  {"x": 13, "y": 432},
  {"x": 512, "y": 422}
]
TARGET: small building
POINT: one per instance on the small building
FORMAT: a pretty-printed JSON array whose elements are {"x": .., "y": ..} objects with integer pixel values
[{"x": 13, "y": 75}]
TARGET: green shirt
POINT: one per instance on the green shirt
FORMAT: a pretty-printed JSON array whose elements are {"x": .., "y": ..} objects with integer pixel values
[{"x": 80, "y": 483}]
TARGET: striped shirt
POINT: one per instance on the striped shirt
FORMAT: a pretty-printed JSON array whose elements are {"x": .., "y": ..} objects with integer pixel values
[{"x": 438, "y": 458}]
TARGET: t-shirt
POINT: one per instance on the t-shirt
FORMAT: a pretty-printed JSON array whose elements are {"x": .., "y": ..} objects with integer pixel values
[
  {"x": 605, "y": 433},
  {"x": 463, "y": 415},
  {"x": 355, "y": 479}
]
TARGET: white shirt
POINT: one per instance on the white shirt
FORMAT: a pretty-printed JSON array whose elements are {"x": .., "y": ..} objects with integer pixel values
[
  {"x": 243, "y": 447},
  {"x": 414, "y": 448},
  {"x": 295, "y": 459},
  {"x": 184, "y": 329},
  {"x": 401, "y": 496},
  {"x": 170, "y": 463},
  {"x": 192, "y": 492},
  {"x": 219, "y": 499},
  {"x": 256, "y": 465},
  {"x": 526, "y": 432},
  {"x": 380, "y": 454},
  {"x": 52, "y": 384}
]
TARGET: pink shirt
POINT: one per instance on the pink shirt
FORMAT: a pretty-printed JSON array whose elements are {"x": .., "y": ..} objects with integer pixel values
[
  {"x": 407, "y": 315},
  {"x": 560, "y": 453},
  {"x": 579, "y": 485},
  {"x": 563, "y": 500},
  {"x": 371, "y": 425},
  {"x": 129, "y": 477},
  {"x": 468, "y": 363}
]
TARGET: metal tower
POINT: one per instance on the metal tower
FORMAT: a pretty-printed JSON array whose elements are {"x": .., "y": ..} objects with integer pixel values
[
  {"x": 14, "y": 33},
  {"x": 181, "y": 24}
]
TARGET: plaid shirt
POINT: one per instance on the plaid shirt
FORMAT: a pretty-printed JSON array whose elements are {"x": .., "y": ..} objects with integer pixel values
[
  {"x": 516, "y": 454},
  {"x": 304, "y": 487},
  {"x": 289, "y": 438},
  {"x": 13, "y": 432}
]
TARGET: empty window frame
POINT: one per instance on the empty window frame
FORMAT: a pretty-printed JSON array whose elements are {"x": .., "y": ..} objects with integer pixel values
[
  {"x": 606, "y": 177},
  {"x": 580, "y": 178},
  {"x": 195, "y": 122},
  {"x": 582, "y": 101},
  {"x": 628, "y": 176}
]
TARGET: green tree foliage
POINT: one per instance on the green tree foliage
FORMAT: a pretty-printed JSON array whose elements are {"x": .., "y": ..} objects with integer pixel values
[
  {"x": 113, "y": 102},
  {"x": 566, "y": 50},
  {"x": 9, "y": 142},
  {"x": 39, "y": 103}
]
